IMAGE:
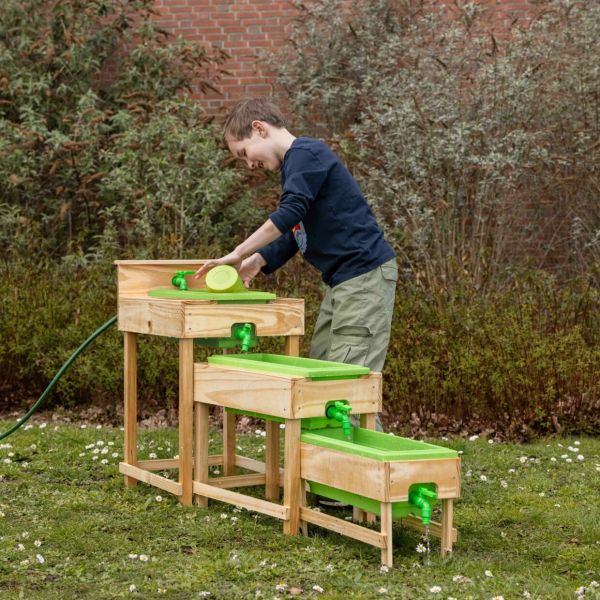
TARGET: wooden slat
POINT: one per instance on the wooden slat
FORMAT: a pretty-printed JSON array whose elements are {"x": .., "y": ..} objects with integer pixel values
[
  {"x": 363, "y": 394},
  {"x": 252, "y": 465},
  {"x": 445, "y": 473},
  {"x": 244, "y": 390},
  {"x": 159, "y": 464},
  {"x": 139, "y": 276},
  {"x": 130, "y": 400},
  {"x": 350, "y": 472},
  {"x": 435, "y": 529},
  {"x": 343, "y": 527},
  {"x": 151, "y": 479},
  {"x": 283, "y": 316},
  {"x": 153, "y": 316},
  {"x": 234, "y": 481},
  {"x": 248, "y": 502}
]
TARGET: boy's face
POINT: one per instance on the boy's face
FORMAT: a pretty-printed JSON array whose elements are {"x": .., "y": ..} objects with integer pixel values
[{"x": 258, "y": 150}]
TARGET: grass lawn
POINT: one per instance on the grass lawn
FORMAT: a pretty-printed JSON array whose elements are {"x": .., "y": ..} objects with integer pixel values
[{"x": 528, "y": 522}]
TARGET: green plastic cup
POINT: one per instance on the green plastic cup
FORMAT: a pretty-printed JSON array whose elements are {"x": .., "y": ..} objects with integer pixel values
[{"x": 224, "y": 279}]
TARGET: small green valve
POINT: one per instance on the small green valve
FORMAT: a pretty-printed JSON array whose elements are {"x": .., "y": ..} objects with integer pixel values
[
  {"x": 422, "y": 498},
  {"x": 245, "y": 334},
  {"x": 179, "y": 279},
  {"x": 339, "y": 411}
]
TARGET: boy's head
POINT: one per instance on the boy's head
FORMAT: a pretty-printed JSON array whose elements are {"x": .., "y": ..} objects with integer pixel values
[{"x": 252, "y": 132}]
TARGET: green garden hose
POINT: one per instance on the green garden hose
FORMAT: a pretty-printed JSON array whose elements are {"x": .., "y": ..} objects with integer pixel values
[{"x": 58, "y": 375}]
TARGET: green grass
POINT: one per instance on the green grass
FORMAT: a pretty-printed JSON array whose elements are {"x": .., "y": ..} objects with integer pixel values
[{"x": 534, "y": 523}]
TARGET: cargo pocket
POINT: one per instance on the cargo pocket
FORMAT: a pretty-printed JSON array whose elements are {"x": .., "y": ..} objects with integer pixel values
[
  {"x": 350, "y": 344},
  {"x": 389, "y": 271}
]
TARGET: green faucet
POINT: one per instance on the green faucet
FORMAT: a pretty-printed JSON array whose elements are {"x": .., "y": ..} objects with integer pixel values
[
  {"x": 244, "y": 333},
  {"x": 179, "y": 279},
  {"x": 339, "y": 411},
  {"x": 420, "y": 498}
]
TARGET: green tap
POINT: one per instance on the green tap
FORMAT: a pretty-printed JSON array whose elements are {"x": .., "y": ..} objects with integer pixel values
[
  {"x": 244, "y": 333},
  {"x": 339, "y": 411},
  {"x": 419, "y": 497},
  {"x": 179, "y": 279}
]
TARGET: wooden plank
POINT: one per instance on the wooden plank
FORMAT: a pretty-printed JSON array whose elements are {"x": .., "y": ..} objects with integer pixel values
[
  {"x": 186, "y": 408},
  {"x": 248, "y": 390},
  {"x": 158, "y": 464},
  {"x": 283, "y": 316},
  {"x": 349, "y": 472},
  {"x": 201, "y": 462},
  {"x": 139, "y": 276},
  {"x": 364, "y": 395},
  {"x": 151, "y": 478},
  {"x": 130, "y": 400},
  {"x": 291, "y": 476},
  {"x": 253, "y": 465},
  {"x": 272, "y": 460},
  {"x": 237, "y": 499},
  {"x": 445, "y": 473},
  {"x": 387, "y": 552},
  {"x": 343, "y": 527},
  {"x": 151, "y": 316},
  {"x": 435, "y": 528},
  {"x": 234, "y": 481}
]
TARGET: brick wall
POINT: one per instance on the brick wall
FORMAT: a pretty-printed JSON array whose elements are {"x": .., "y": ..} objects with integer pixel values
[{"x": 245, "y": 28}]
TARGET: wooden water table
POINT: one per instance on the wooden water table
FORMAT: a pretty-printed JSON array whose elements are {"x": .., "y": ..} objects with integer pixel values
[{"x": 377, "y": 474}]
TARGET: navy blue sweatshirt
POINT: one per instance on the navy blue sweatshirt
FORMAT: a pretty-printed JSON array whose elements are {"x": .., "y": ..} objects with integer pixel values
[{"x": 323, "y": 213}]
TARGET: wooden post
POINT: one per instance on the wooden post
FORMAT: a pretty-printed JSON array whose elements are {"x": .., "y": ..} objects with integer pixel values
[
  {"x": 291, "y": 476},
  {"x": 272, "y": 460},
  {"x": 367, "y": 421},
  {"x": 447, "y": 516},
  {"x": 387, "y": 554},
  {"x": 228, "y": 443},
  {"x": 130, "y": 400},
  {"x": 186, "y": 404},
  {"x": 201, "y": 449},
  {"x": 292, "y": 345}
]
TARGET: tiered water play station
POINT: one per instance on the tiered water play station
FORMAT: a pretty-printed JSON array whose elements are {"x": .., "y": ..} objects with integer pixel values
[{"x": 378, "y": 474}]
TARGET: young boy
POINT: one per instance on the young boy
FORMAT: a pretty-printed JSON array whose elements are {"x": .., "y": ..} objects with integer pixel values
[{"x": 323, "y": 213}]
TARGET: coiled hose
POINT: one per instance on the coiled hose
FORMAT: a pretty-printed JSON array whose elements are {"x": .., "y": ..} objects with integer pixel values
[{"x": 58, "y": 375}]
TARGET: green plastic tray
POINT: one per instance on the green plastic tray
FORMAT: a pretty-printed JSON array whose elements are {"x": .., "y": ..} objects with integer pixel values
[
  {"x": 291, "y": 365},
  {"x": 249, "y": 297},
  {"x": 376, "y": 445}
]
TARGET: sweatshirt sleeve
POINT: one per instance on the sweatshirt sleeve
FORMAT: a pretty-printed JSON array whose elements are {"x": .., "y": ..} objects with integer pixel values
[
  {"x": 278, "y": 252},
  {"x": 304, "y": 177}
]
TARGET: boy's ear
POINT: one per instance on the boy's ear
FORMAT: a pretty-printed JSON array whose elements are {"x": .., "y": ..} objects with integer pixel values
[{"x": 259, "y": 127}]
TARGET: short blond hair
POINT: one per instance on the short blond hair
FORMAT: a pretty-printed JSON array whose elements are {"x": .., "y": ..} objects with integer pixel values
[{"x": 238, "y": 125}]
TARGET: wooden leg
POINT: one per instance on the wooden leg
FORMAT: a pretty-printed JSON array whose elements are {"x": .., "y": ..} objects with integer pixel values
[
  {"x": 387, "y": 557},
  {"x": 186, "y": 407},
  {"x": 272, "y": 460},
  {"x": 447, "y": 533},
  {"x": 291, "y": 477},
  {"x": 228, "y": 443},
  {"x": 303, "y": 503},
  {"x": 292, "y": 345},
  {"x": 130, "y": 409},
  {"x": 367, "y": 421},
  {"x": 201, "y": 449}
]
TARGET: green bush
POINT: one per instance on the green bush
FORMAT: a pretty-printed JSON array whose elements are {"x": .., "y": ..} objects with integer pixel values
[{"x": 478, "y": 148}]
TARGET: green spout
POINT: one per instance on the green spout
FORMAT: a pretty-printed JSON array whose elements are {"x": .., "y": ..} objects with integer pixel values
[
  {"x": 339, "y": 411},
  {"x": 179, "y": 280},
  {"x": 419, "y": 497},
  {"x": 244, "y": 333}
]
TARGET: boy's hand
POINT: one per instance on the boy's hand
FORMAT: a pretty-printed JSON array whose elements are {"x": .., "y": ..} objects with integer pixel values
[
  {"x": 251, "y": 267},
  {"x": 233, "y": 258}
]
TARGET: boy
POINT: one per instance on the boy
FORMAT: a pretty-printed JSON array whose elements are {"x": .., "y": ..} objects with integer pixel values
[{"x": 323, "y": 213}]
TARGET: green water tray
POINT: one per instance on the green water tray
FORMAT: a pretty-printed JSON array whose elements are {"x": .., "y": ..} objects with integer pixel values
[
  {"x": 376, "y": 445},
  {"x": 249, "y": 297},
  {"x": 278, "y": 364}
]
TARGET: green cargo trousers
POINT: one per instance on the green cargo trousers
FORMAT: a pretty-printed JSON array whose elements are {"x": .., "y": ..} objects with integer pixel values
[{"x": 355, "y": 320}]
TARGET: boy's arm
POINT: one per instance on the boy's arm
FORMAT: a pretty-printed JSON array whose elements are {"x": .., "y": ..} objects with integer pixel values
[
  {"x": 278, "y": 252},
  {"x": 264, "y": 235}
]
